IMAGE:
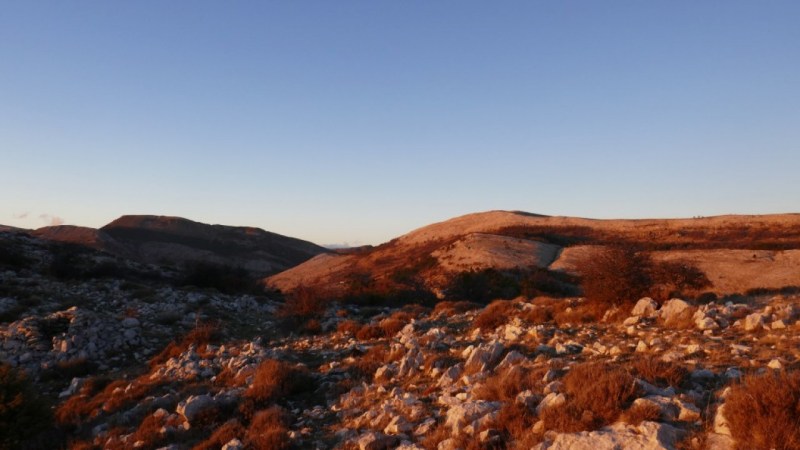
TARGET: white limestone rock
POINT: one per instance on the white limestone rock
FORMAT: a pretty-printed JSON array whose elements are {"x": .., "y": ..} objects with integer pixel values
[
  {"x": 645, "y": 307},
  {"x": 645, "y": 436}
]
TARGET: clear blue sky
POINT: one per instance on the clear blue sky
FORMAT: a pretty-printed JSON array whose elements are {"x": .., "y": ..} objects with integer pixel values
[{"x": 339, "y": 121}]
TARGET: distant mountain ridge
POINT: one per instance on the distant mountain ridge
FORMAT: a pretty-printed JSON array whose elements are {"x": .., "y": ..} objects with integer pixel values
[
  {"x": 738, "y": 252},
  {"x": 175, "y": 240}
]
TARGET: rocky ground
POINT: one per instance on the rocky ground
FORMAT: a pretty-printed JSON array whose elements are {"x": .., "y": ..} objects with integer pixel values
[{"x": 129, "y": 364}]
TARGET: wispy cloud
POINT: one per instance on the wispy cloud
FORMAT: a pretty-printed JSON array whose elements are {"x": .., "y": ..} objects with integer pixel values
[
  {"x": 22, "y": 215},
  {"x": 51, "y": 220}
]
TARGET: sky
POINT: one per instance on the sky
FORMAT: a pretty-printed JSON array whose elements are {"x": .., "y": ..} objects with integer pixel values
[{"x": 353, "y": 122}]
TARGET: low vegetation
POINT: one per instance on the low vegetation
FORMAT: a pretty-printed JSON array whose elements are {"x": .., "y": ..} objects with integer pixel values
[
  {"x": 596, "y": 394},
  {"x": 620, "y": 275},
  {"x": 764, "y": 411},
  {"x": 24, "y": 416}
]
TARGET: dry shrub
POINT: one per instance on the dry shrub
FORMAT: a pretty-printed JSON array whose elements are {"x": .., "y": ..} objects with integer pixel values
[
  {"x": 574, "y": 312},
  {"x": 640, "y": 412},
  {"x": 616, "y": 276},
  {"x": 368, "y": 332},
  {"x": 369, "y": 362},
  {"x": 506, "y": 385},
  {"x": 764, "y": 411},
  {"x": 200, "y": 336},
  {"x": 268, "y": 430},
  {"x": 113, "y": 397},
  {"x": 149, "y": 432},
  {"x": 394, "y": 323},
  {"x": 391, "y": 326},
  {"x": 303, "y": 304},
  {"x": 276, "y": 379},
  {"x": 596, "y": 394},
  {"x": 515, "y": 421},
  {"x": 228, "y": 377},
  {"x": 415, "y": 310},
  {"x": 450, "y": 308},
  {"x": 440, "y": 360},
  {"x": 432, "y": 440},
  {"x": 23, "y": 414},
  {"x": 621, "y": 275},
  {"x": 350, "y": 327},
  {"x": 656, "y": 371},
  {"x": 222, "y": 435},
  {"x": 537, "y": 314},
  {"x": 495, "y": 314}
]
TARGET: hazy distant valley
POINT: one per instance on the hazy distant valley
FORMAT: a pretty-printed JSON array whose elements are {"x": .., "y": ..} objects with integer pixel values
[{"x": 493, "y": 330}]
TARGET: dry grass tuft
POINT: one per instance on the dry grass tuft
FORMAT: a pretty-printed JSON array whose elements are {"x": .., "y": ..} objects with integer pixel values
[
  {"x": 268, "y": 430},
  {"x": 350, "y": 327},
  {"x": 222, "y": 435},
  {"x": 369, "y": 332},
  {"x": 394, "y": 323},
  {"x": 764, "y": 411},
  {"x": 515, "y": 421},
  {"x": 659, "y": 372},
  {"x": 538, "y": 314},
  {"x": 449, "y": 308},
  {"x": 596, "y": 395},
  {"x": 202, "y": 335},
  {"x": 89, "y": 403},
  {"x": 641, "y": 412},
  {"x": 366, "y": 365},
  {"x": 506, "y": 385},
  {"x": 495, "y": 314},
  {"x": 276, "y": 379}
]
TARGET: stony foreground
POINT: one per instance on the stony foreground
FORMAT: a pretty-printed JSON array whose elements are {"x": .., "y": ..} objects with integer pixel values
[{"x": 128, "y": 365}]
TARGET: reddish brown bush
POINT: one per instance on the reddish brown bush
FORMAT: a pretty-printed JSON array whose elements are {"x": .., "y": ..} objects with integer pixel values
[
  {"x": 350, "y": 327},
  {"x": 616, "y": 276},
  {"x": 672, "y": 278},
  {"x": 641, "y": 412},
  {"x": 268, "y": 430},
  {"x": 394, "y": 323},
  {"x": 656, "y": 371},
  {"x": 368, "y": 332},
  {"x": 451, "y": 307},
  {"x": 200, "y": 336},
  {"x": 149, "y": 432},
  {"x": 505, "y": 385},
  {"x": 621, "y": 275},
  {"x": 596, "y": 395},
  {"x": 495, "y": 314},
  {"x": 23, "y": 414},
  {"x": 112, "y": 398},
  {"x": 222, "y": 435},
  {"x": 537, "y": 314},
  {"x": 515, "y": 421},
  {"x": 276, "y": 379},
  {"x": 366, "y": 365},
  {"x": 303, "y": 304},
  {"x": 764, "y": 411}
]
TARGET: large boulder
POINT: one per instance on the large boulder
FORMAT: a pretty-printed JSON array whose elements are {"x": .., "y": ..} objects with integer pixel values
[
  {"x": 675, "y": 311},
  {"x": 645, "y": 307},
  {"x": 753, "y": 322},
  {"x": 465, "y": 414},
  {"x": 193, "y": 405},
  {"x": 375, "y": 441},
  {"x": 484, "y": 357}
]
